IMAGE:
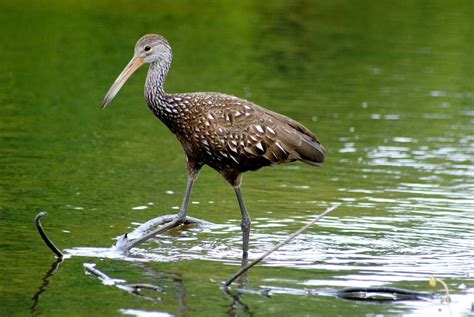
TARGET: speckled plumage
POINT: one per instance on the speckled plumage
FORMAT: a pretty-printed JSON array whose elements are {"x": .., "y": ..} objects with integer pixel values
[{"x": 229, "y": 134}]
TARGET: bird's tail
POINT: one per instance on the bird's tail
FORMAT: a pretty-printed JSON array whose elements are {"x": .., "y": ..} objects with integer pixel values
[{"x": 311, "y": 152}]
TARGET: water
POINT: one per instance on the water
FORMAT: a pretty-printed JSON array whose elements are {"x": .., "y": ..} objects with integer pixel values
[{"x": 387, "y": 87}]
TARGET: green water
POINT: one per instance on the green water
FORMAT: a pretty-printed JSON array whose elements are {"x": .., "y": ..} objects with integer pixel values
[{"x": 386, "y": 85}]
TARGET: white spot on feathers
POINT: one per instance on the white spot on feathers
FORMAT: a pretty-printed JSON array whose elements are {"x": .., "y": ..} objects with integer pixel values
[
  {"x": 280, "y": 147},
  {"x": 270, "y": 130},
  {"x": 248, "y": 150},
  {"x": 234, "y": 159},
  {"x": 259, "y": 128}
]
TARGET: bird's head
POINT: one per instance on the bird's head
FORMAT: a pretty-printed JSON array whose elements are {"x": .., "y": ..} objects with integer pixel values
[{"x": 151, "y": 48}]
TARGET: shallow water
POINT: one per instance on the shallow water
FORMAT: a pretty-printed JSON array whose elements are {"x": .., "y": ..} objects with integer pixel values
[{"x": 386, "y": 87}]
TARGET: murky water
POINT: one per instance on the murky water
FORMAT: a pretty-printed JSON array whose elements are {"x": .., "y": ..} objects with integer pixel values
[{"x": 387, "y": 87}]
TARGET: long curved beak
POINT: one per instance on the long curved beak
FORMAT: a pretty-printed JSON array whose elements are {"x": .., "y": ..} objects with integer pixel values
[{"x": 132, "y": 66}]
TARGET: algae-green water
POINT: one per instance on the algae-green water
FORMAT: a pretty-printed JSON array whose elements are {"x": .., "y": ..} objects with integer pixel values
[{"x": 387, "y": 86}]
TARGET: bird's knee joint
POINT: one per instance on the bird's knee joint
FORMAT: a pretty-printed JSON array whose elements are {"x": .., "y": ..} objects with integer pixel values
[{"x": 245, "y": 224}]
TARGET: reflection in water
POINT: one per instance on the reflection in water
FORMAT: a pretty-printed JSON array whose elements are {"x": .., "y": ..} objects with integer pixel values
[
  {"x": 44, "y": 286},
  {"x": 145, "y": 290},
  {"x": 237, "y": 305}
]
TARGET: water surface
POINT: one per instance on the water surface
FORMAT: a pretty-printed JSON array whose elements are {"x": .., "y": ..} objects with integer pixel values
[{"x": 387, "y": 87}]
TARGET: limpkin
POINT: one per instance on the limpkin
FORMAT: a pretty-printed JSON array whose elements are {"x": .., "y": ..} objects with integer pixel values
[{"x": 229, "y": 134}]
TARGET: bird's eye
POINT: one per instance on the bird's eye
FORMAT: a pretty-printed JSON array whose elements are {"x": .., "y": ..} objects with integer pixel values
[{"x": 147, "y": 48}]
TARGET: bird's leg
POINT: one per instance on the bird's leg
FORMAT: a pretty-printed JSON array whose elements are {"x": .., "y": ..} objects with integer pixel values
[
  {"x": 244, "y": 224},
  {"x": 235, "y": 179},
  {"x": 244, "y": 279},
  {"x": 193, "y": 173}
]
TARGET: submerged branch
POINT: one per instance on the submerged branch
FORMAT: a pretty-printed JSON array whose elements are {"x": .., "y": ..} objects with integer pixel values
[
  {"x": 260, "y": 292},
  {"x": 107, "y": 280},
  {"x": 381, "y": 294},
  {"x": 291, "y": 237},
  {"x": 134, "y": 288},
  {"x": 138, "y": 286},
  {"x": 45, "y": 238},
  {"x": 149, "y": 229}
]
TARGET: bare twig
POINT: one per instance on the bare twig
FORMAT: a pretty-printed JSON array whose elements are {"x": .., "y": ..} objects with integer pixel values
[
  {"x": 291, "y": 237},
  {"x": 45, "y": 238}
]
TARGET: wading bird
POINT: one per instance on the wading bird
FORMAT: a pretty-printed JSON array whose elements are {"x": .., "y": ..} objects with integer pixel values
[{"x": 229, "y": 134}]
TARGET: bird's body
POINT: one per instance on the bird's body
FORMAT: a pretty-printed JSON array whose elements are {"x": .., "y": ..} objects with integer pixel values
[
  {"x": 229, "y": 134},
  {"x": 233, "y": 135}
]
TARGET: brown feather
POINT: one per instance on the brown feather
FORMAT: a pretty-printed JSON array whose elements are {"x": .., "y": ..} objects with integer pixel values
[{"x": 252, "y": 136}]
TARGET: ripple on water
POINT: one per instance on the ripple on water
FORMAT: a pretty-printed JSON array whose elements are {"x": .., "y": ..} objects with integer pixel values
[{"x": 369, "y": 249}]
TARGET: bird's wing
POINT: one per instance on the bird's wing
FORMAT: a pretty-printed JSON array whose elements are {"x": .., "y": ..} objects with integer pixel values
[{"x": 245, "y": 131}]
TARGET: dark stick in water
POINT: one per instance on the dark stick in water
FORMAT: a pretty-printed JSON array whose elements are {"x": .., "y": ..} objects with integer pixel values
[
  {"x": 381, "y": 294},
  {"x": 45, "y": 238}
]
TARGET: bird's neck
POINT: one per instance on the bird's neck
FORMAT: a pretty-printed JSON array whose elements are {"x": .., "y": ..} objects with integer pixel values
[
  {"x": 154, "y": 87},
  {"x": 163, "y": 105}
]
